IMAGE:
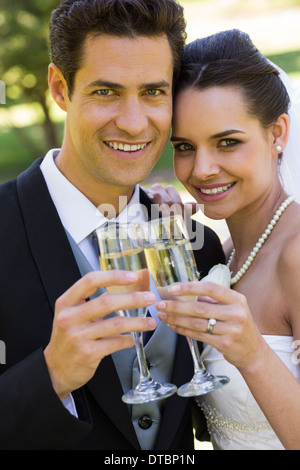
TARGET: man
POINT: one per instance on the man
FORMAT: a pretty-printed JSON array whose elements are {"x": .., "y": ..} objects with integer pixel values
[{"x": 112, "y": 70}]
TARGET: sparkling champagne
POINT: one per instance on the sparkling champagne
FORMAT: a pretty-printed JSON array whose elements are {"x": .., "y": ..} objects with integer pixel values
[
  {"x": 170, "y": 262},
  {"x": 130, "y": 260}
]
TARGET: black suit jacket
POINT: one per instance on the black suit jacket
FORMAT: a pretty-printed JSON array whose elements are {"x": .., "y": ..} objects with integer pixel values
[{"x": 37, "y": 266}]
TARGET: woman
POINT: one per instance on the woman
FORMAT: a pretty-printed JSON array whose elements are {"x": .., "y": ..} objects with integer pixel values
[{"x": 230, "y": 129}]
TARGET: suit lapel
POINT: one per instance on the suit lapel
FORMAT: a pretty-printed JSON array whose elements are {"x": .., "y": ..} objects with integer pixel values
[
  {"x": 46, "y": 236},
  {"x": 106, "y": 388},
  {"x": 151, "y": 209},
  {"x": 58, "y": 271}
]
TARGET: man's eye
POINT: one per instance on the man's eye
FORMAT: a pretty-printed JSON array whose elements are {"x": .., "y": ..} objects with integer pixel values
[
  {"x": 104, "y": 92},
  {"x": 153, "y": 92}
]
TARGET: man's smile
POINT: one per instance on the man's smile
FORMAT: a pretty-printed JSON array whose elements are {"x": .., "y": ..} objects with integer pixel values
[{"x": 125, "y": 147}]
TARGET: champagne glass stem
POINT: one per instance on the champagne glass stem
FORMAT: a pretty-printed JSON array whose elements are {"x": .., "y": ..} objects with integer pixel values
[
  {"x": 144, "y": 372},
  {"x": 198, "y": 364}
]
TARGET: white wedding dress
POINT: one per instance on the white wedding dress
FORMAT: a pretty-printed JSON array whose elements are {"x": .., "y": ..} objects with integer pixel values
[{"x": 234, "y": 419}]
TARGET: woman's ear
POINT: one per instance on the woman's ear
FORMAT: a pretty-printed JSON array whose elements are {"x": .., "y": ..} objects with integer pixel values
[
  {"x": 280, "y": 131},
  {"x": 58, "y": 86}
]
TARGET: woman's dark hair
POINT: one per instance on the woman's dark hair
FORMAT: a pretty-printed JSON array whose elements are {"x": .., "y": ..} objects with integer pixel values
[
  {"x": 230, "y": 58},
  {"x": 73, "y": 21}
]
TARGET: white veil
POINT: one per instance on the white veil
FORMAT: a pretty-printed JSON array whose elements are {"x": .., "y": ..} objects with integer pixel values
[{"x": 290, "y": 165}]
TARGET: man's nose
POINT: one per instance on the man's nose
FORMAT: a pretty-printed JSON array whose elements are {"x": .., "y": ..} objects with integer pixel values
[{"x": 132, "y": 117}]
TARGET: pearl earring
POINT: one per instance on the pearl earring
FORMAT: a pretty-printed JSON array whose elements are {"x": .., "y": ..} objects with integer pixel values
[{"x": 278, "y": 148}]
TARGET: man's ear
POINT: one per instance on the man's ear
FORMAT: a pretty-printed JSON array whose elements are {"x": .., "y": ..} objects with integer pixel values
[
  {"x": 281, "y": 130},
  {"x": 58, "y": 86}
]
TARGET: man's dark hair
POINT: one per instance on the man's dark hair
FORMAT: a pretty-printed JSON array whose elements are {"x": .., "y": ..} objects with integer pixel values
[{"x": 73, "y": 21}]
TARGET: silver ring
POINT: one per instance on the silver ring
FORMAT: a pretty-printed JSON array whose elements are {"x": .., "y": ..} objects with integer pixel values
[{"x": 210, "y": 325}]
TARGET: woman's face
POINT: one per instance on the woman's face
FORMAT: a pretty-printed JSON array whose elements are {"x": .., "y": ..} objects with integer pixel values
[{"x": 222, "y": 155}]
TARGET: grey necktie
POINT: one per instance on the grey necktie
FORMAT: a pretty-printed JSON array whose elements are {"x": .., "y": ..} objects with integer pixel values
[{"x": 95, "y": 243}]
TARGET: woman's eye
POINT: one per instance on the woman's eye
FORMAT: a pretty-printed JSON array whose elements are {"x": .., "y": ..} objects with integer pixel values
[
  {"x": 226, "y": 143},
  {"x": 184, "y": 147}
]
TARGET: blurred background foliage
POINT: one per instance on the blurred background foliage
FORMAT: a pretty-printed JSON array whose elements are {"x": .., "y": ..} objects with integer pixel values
[
  {"x": 27, "y": 127},
  {"x": 30, "y": 123}
]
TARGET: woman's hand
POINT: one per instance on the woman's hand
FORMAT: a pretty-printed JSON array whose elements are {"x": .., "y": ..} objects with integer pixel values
[
  {"x": 235, "y": 334},
  {"x": 169, "y": 200}
]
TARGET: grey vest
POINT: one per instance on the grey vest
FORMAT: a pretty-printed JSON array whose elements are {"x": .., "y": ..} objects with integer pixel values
[{"x": 162, "y": 345}]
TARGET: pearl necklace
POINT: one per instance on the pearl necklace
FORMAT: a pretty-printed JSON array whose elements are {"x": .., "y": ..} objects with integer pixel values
[{"x": 260, "y": 242}]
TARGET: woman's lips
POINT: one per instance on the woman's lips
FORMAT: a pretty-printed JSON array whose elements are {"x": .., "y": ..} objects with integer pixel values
[{"x": 213, "y": 192}]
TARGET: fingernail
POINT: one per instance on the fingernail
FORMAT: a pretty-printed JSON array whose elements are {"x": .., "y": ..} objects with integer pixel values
[
  {"x": 131, "y": 276},
  {"x": 174, "y": 288},
  {"x": 149, "y": 297},
  {"x": 161, "y": 305}
]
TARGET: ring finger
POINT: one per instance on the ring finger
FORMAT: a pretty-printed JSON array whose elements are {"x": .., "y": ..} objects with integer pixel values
[{"x": 189, "y": 325}]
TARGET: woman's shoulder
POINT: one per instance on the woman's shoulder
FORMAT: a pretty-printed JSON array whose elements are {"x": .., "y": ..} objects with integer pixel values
[
  {"x": 289, "y": 253},
  {"x": 287, "y": 272}
]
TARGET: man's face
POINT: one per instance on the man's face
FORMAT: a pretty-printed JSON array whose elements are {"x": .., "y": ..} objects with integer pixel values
[{"x": 119, "y": 115}]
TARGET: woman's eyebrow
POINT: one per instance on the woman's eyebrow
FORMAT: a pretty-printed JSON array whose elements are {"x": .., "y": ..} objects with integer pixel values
[
  {"x": 226, "y": 133},
  {"x": 174, "y": 138}
]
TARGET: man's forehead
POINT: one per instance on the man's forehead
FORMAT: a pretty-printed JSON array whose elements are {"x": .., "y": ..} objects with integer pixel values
[
  {"x": 145, "y": 59},
  {"x": 118, "y": 46}
]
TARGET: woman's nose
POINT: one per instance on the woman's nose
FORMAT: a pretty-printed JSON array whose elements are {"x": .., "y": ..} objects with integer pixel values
[{"x": 205, "y": 165}]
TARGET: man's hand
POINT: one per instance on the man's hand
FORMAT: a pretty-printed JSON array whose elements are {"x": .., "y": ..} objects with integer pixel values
[{"x": 82, "y": 337}]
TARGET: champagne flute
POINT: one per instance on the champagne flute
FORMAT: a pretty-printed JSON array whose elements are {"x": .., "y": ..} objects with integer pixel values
[
  {"x": 170, "y": 259},
  {"x": 121, "y": 247}
]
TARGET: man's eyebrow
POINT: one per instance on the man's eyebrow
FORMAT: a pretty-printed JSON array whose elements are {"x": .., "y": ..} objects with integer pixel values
[
  {"x": 105, "y": 83},
  {"x": 119, "y": 86},
  {"x": 154, "y": 85}
]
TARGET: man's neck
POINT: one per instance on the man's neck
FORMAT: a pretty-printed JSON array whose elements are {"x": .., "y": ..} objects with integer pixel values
[{"x": 108, "y": 199}]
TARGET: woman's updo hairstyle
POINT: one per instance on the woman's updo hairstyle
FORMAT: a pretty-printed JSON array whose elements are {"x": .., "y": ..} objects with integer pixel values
[{"x": 230, "y": 58}]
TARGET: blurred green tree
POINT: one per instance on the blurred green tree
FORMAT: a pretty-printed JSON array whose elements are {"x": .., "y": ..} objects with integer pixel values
[{"x": 24, "y": 61}]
